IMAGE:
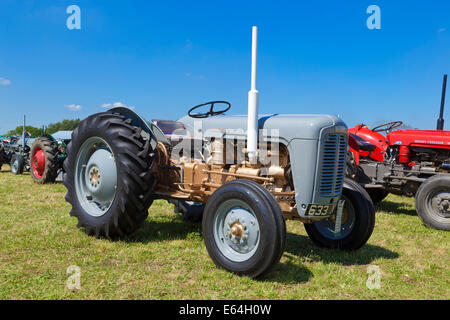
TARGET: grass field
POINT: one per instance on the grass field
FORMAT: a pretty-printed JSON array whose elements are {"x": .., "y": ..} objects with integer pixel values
[{"x": 166, "y": 258}]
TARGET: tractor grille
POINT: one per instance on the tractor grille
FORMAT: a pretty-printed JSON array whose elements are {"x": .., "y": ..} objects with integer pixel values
[{"x": 333, "y": 164}]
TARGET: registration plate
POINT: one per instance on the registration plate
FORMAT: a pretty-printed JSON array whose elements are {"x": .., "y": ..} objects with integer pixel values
[{"x": 319, "y": 210}]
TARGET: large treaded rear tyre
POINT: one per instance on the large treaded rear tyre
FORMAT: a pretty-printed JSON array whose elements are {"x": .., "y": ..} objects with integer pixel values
[
  {"x": 44, "y": 160},
  {"x": 246, "y": 206},
  {"x": 132, "y": 159},
  {"x": 433, "y": 202},
  {"x": 360, "y": 228}
]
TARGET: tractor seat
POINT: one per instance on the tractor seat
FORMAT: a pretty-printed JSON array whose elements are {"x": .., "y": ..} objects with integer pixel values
[
  {"x": 363, "y": 144},
  {"x": 169, "y": 127}
]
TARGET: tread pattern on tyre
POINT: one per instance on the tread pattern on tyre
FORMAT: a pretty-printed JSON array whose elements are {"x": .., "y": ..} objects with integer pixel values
[
  {"x": 279, "y": 217},
  {"x": 135, "y": 181},
  {"x": 50, "y": 149}
]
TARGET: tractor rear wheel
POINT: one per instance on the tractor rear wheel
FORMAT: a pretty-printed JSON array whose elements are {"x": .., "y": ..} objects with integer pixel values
[
  {"x": 108, "y": 175},
  {"x": 17, "y": 164},
  {"x": 243, "y": 228},
  {"x": 433, "y": 202},
  {"x": 357, "y": 224},
  {"x": 44, "y": 160}
]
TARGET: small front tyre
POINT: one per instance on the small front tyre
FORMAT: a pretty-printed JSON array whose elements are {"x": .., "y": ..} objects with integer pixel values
[
  {"x": 243, "y": 228},
  {"x": 433, "y": 202},
  {"x": 357, "y": 222},
  {"x": 17, "y": 164}
]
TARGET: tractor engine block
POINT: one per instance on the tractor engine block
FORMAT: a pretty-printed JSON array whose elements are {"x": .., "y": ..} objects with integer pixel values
[{"x": 194, "y": 177}]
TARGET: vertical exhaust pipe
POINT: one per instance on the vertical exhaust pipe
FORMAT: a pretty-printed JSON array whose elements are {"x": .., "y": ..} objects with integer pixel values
[
  {"x": 23, "y": 132},
  {"x": 440, "y": 122},
  {"x": 253, "y": 102}
]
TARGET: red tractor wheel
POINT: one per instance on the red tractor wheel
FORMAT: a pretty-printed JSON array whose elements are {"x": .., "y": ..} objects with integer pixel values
[
  {"x": 44, "y": 160},
  {"x": 38, "y": 162}
]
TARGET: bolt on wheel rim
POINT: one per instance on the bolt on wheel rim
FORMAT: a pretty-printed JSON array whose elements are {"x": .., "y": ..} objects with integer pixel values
[
  {"x": 95, "y": 176},
  {"x": 236, "y": 230}
]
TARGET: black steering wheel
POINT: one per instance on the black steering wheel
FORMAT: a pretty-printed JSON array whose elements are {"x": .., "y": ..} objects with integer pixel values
[
  {"x": 387, "y": 126},
  {"x": 211, "y": 111}
]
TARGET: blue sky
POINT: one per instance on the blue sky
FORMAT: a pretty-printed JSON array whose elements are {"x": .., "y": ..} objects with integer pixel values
[{"x": 162, "y": 57}]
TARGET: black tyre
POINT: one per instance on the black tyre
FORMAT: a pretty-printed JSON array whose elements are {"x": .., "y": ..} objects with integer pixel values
[
  {"x": 17, "y": 164},
  {"x": 281, "y": 222},
  {"x": 357, "y": 224},
  {"x": 44, "y": 160},
  {"x": 377, "y": 194},
  {"x": 191, "y": 211},
  {"x": 433, "y": 202},
  {"x": 3, "y": 158},
  {"x": 243, "y": 229},
  {"x": 108, "y": 175}
]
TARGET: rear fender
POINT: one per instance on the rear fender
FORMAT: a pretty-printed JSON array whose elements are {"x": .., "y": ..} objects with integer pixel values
[{"x": 156, "y": 135}]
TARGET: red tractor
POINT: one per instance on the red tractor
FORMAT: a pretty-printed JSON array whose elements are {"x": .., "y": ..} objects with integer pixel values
[{"x": 405, "y": 162}]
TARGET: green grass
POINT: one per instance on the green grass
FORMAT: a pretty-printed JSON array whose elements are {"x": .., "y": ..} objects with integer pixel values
[{"x": 166, "y": 258}]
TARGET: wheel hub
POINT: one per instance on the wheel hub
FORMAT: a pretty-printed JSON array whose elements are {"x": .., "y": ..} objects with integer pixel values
[
  {"x": 94, "y": 176},
  {"x": 442, "y": 203},
  {"x": 239, "y": 234},
  {"x": 237, "y": 229}
]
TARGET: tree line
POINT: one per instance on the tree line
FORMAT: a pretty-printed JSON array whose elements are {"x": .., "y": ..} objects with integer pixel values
[{"x": 65, "y": 125}]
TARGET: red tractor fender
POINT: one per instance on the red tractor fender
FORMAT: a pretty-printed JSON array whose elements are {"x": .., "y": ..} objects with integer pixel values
[{"x": 376, "y": 139}]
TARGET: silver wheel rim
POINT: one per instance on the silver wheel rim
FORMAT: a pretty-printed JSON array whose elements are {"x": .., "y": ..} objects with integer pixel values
[
  {"x": 95, "y": 176},
  {"x": 15, "y": 166},
  {"x": 236, "y": 230},
  {"x": 438, "y": 203}
]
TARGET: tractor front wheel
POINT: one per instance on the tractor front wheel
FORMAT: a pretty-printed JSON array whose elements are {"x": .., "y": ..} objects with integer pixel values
[
  {"x": 243, "y": 228},
  {"x": 17, "y": 164},
  {"x": 433, "y": 202},
  {"x": 356, "y": 224},
  {"x": 44, "y": 160},
  {"x": 108, "y": 175}
]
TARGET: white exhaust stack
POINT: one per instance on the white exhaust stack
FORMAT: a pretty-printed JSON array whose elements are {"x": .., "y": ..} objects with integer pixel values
[{"x": 253, "y": 102}]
